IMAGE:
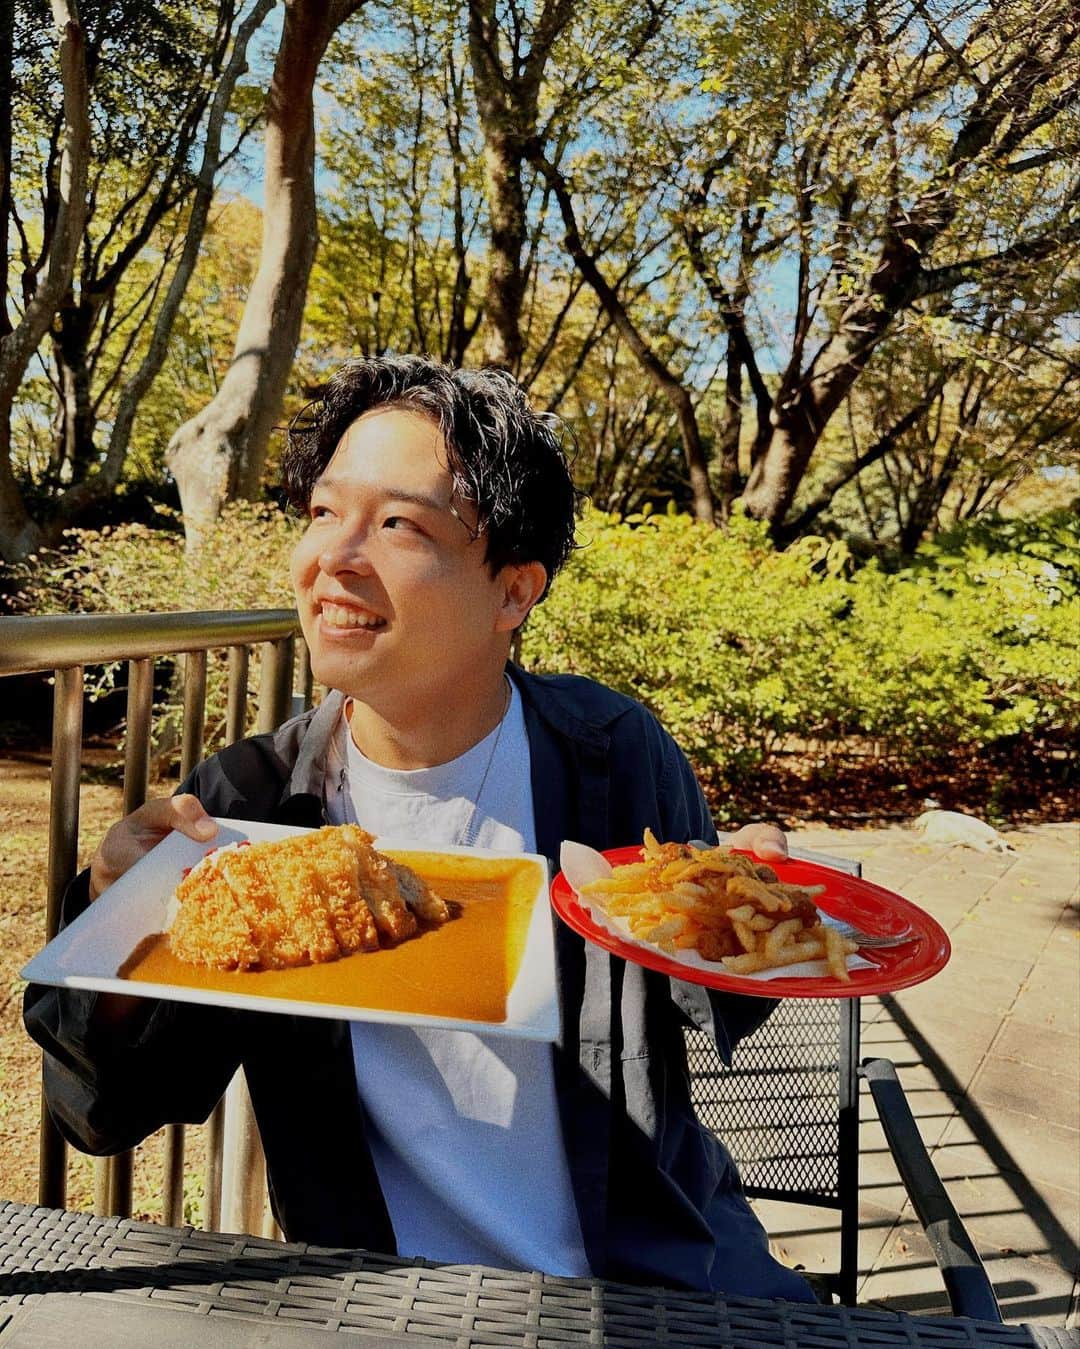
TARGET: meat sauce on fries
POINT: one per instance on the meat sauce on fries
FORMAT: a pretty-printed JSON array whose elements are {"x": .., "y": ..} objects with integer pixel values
[{"x": 722, "y": 904}]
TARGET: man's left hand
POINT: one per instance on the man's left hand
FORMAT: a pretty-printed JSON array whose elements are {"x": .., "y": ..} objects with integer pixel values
[{"x": 763, "y": 840}]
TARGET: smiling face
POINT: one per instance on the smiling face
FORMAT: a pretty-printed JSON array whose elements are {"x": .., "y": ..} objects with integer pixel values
[{"x": 397, "y": 604}]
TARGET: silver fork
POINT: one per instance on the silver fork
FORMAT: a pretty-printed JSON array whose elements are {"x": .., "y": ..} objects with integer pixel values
[{"x": 870, "y": 940}]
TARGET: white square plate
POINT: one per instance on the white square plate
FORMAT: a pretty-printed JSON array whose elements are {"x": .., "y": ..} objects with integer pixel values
[{"x": 91, "y": 951}]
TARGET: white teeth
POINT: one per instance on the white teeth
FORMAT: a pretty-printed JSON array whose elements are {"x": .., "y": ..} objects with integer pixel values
[{"x": 341, "y": 616}]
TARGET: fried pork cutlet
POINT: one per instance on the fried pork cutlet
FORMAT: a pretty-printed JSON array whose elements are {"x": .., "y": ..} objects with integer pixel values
[
  {"x": 299, "y": 901},
  {"x": 210, "y": 928}
]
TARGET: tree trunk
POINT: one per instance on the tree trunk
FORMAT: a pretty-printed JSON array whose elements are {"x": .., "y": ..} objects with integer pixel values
[
  {"x": 507, "y": 101},
  {"x": 775, "y": 478},
  {"x": 19, "y": 535},
  {"x": 71, "y": 347},
  {"x": 506, "y": 278},
  {"x": 219, "y": 454},
  {"x": 7, "y": 62}
]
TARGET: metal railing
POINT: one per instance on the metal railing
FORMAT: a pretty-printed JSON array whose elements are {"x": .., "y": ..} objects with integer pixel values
[{"x": 65, "y": 645}]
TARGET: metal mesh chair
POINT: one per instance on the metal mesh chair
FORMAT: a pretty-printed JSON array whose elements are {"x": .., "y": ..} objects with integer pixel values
[{"x": 788, "y": 1111}]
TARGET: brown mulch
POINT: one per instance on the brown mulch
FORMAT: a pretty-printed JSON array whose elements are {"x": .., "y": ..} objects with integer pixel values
[{"x": 1017, "y": 786}]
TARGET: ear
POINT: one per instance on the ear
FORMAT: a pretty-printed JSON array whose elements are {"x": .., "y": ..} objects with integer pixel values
[{"x": 521, "y": 585}]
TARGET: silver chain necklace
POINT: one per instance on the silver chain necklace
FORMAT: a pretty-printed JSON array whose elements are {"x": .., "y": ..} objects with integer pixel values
[{"x": 466, "y": 836}]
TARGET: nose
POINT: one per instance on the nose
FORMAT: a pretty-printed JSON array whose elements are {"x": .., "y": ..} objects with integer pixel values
[{"x": 346, "y": 551}]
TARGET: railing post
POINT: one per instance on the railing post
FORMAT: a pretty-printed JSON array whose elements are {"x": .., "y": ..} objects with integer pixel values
[
  {"x": 112, "y": 1175},
  {"x": 275, "y": 685},
  {"x": 243, "y": 1164},
  {"x": 63, "y": 859},
  {"x": 192, "y": 731},
  {"x": 302, "y": 700},
  {"x": 235, "y": 726},
  {"x": 236, "y": 709},
  {"x": 243, "y": 1172}
]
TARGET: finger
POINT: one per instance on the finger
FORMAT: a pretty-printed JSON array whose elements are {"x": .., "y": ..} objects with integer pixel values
[
  {"x": 154, "y": 819},
  {"x": 763, "y": 840},
  {"x": 132, "y": 837},
  {"x": 190, "y": 818}
]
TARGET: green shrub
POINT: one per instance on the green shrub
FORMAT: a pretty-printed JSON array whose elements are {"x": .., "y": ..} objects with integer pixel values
[
  {"x": 738, "y": 648},
  {"x": 243, "y": 564},
  {"x": 725, "y": 639}
]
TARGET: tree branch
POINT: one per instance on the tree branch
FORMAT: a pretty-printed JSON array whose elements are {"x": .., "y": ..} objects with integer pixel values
[
  {"x": 663, "y": 377},
  {"x": 791, "y": 529},
  {"x": 19, "y": 345},
  {"x": 1037, "y": 248}
]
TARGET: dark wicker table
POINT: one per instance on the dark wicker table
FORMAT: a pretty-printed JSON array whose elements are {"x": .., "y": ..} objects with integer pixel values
[{"x": 167, "y": 1286}]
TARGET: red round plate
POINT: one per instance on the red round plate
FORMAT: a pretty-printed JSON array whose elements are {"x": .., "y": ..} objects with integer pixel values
[{"x": 868, "y": 906}]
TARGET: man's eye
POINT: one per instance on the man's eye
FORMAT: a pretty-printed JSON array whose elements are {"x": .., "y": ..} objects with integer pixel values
[
  {"x": 400, "y": 522},
  {"x": 319, "y": 512}
]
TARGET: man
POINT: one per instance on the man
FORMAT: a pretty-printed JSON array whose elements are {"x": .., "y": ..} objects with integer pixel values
[{"x": 439, "y": 507}]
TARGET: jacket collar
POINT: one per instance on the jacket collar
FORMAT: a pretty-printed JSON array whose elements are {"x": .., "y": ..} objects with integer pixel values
[
  {"x": 548, "y": 712},
  {"x": 309, "y": 766}
]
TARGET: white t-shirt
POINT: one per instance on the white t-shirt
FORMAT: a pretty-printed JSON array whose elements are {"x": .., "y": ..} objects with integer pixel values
[{"x": 464, "y": 1128}]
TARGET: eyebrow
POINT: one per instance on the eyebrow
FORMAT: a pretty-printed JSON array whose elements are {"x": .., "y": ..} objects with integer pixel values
[{"x": 394, "y": 494}]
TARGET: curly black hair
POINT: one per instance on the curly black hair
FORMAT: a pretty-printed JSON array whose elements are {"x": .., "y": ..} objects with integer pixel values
[{"x": 505, "y": 458}]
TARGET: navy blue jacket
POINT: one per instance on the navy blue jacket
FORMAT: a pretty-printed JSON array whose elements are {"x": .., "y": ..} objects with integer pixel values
[{"x": 657, "y": 1195}]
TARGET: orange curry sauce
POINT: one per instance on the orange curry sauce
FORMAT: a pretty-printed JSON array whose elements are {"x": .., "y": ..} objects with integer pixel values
[{"x": 464, "y": 969}]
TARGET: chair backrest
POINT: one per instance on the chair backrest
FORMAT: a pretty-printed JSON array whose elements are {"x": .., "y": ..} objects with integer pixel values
[
  {"x": 777, "y": 1107},
  {"x": 787, "y": 1109}
]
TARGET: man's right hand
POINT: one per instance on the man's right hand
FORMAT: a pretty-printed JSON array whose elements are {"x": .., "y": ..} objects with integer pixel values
[{"x": 134, "y": 836}]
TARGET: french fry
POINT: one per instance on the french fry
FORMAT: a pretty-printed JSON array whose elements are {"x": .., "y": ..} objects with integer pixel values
[
  {"x": 782, "y": 935},
  {"x": 837, "y": 948},
  {"x": 747, "y": 938},
  {"x": 669, "y": 928},
  {"x": 792, "y": 954},
  {"x": 749, "y": 887}
]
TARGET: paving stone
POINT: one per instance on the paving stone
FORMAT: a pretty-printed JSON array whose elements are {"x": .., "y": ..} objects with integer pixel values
[
  {"x": 1002, "y": 1084},
  {"x": 882, "y": 1032},
  {"x": 1043, "y": 1001},
  {"x": 1019, "y": 917},
  {"x": 906, "y": 1278},
  {"x": 1057, "y": 1050},
  {"x": 1056, "y": 1163},
  {"x": 1019, "y": 1140},
  {"x": 879, "y": 1181},
  {"x": 1005, "y": 1213},
  {"x": 1063, "y": 948},
  {"x": 977, "y": 936},
  {"x": 965, "y": 983},
  {"x": 810, "y": 1237}
]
